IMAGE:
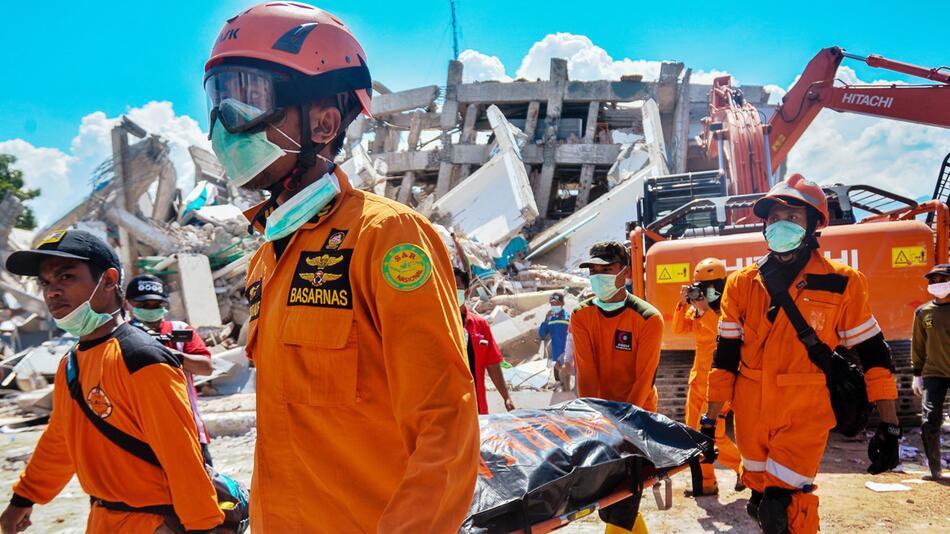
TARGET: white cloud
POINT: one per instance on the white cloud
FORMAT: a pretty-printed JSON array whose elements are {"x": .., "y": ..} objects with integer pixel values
[
  {"x": 587, "y": 61},
  {"x": 856, "y": 149},
  {"x": 64, "y": 178},
  {"x": 482, "y": 67}
]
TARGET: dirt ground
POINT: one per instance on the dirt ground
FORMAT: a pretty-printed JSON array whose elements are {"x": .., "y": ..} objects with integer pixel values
[{"x": 846, "y": 505}]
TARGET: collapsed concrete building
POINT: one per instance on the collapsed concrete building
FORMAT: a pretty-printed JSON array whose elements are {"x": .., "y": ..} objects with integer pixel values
[{"x": 584, "y": 138}]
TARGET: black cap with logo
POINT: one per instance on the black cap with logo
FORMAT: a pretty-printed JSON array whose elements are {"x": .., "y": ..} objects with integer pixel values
[
  {"x": 146, "y": 287},
  {"x": 605, "y": 253},
  {"x": 71, "y": 244}
]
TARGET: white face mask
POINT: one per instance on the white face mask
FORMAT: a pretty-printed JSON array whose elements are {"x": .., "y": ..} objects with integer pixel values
[
  {"x": 939, "y": 290},
  {"x": 461, "y": 296}
]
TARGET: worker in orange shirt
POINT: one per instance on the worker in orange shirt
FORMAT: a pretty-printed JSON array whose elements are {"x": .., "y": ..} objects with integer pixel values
[
  {"x": 697, "y": 313},
  {"x": 617, "y": 340},
  {"x": 121, "y": 375},
  {"x": 366, "y": 410},
  {"x": 781, "y": 403}
]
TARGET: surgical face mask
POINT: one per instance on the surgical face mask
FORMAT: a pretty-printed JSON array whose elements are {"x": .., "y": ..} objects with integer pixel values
[
  {"x": 84, "y": 320},
  {"x": 300, "y": 208},
  {"x": 461, "y": 296},
  {"x": 939, "y": 290},
  {"x": 244, "y": 155},
  {"x": 556, "y": 309},
  {"x": 608, "y": 306},
  {"x": 604, "y": 285},
  {"x": 711, "y": 294},
  {"x": 149, "y": 315},
  {"x": 784, "y": 236}
]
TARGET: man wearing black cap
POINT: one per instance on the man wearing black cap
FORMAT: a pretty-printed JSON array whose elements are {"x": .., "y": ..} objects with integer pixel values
[
  {"x": 117, "y": 380},
  {"x": 147, "y": 300},
  {"x": 930, "y": 358},
  {"x": 617, "y": 339}
]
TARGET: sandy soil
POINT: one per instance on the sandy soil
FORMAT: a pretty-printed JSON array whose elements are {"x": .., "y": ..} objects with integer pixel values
[{"x": 846, "y": 505}]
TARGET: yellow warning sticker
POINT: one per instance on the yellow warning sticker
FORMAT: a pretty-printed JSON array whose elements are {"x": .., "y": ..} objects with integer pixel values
[
  {"x": 908, "y": 256},
  {"x": 672, "y": 273}
]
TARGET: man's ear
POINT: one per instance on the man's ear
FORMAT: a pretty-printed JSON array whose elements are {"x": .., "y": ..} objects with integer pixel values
[
  {"x": 324, "y": 123},
  {"x": 110, "y": 278}
]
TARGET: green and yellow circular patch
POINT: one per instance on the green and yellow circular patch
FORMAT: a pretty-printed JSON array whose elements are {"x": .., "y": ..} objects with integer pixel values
[{"x": 406, "y": 267}]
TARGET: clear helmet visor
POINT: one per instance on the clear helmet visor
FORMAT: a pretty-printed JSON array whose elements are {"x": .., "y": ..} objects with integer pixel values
[{"x": 241, "y": 98}]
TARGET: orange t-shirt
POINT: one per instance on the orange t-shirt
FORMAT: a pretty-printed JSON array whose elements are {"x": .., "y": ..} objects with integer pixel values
[
  {"x": 616, "y": 353},
  {"x": 135, "y": 385}
]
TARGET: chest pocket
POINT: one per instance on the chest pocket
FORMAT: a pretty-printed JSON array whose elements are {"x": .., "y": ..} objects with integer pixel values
[
  {"x": 821, "y": 309},
  {"x": 319, "y": 364}
]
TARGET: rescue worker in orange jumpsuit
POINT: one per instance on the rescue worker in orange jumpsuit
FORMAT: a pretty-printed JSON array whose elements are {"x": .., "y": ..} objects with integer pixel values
[
  {"x": 130, "y": 381},
  {"x": 697, "y": 313},
  {"x": 779, "y": 397},
  {"x": 617, "y": 339},
  {"x": 366, "y": 410}
]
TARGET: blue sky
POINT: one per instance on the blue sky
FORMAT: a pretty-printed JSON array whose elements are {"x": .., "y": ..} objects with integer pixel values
[
  {"x": 83, "y": 57},
  {"x": 71, "y": 68}
]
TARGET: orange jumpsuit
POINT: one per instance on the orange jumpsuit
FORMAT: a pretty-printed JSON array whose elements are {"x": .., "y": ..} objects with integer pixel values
[
  {"x": 132, "y": 382},
  {"x": 366, "y": 412},
  {"x": 782, "y": 408},
  {"x": 616, "y": 353},
  {"x": 704, "y": 329}
]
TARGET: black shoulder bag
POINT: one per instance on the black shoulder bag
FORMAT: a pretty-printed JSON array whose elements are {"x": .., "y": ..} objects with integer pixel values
[
  {"x": 845, "y": 381},
  {"x": 233, "y": 497}
]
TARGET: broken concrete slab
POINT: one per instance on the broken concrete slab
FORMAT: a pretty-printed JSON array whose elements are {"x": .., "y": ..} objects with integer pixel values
[
  {"x": 518, "y": 338},
  {"x": 568, "y": 242},
  {"x": 653, "y": 136},
  {"x": 197, "y": 291},
  {"x": 495, "y": 202},
  {"x": 39, "y": 401}
]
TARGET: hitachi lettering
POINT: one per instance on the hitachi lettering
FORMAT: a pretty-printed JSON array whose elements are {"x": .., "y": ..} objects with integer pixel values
[
  {"x": 319, "y": 296},
  {"x": 873, "y": 101},
  {"x": 847, "y": 256}
]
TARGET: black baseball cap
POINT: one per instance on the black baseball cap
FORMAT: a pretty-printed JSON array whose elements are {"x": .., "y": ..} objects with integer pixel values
[
  {"x": 72, "y": 244},
  {"x": 939, "y": 269},
  {"x": 605, "y": 253},
  {"x": 146, "y": 287}
]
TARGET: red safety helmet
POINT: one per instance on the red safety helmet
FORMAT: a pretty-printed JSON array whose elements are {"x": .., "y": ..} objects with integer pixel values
[
  {"x": 795, "y": 190},
  {"x": 281, "y": 54}
]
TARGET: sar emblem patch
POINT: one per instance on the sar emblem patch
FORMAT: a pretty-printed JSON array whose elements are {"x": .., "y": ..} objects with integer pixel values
[
  {"x": 406, "y": 267},
  {"x": 322, "y": 280},
  {"x": 335, "y": 239},
  {"x": 99, "y": 402},
  {"x": 53, "y": 237}
]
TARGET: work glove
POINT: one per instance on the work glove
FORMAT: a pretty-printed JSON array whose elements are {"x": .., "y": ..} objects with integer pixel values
[
  {"x": 708, "y": 428},
  {"x": 884, "y": 448},
  {"x": 918, "y": 386}
]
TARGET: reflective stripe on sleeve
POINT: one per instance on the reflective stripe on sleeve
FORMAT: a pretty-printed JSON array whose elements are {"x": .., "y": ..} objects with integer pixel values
[
  {"x": 730, "y": 330},
  {"x": 752, "y": 465}
]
